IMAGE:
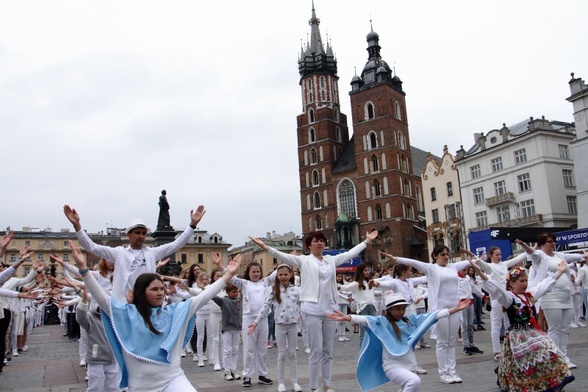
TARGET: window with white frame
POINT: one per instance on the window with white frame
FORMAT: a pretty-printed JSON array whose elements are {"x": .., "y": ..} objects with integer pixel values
[
  {"x": 379, "y": 214},
  {"x": 568, "y": 177},
  {"x": 481, "y": 219},
  {"x": 315, "y": 178},
  {"x": 377, "y": 188},
  {"x": 564, "y": 152},
  {"x": 503, "y": 213},
  {"x": 433, "y": 194},
  {"x": 317, "y": 200},
  {"x": 475, "y": 170},
  {"x": 496, "y": 164},
  {"x": 520, "y": 156},
  {"x": 375, "y": 164},
  {"x": 572, "y": 209},
  {"x": 313, "y": 156},
  {"x": 478, "y": 195},
  {"x": 499, "y": 188},
  {"x": 318, "y": 223},
  {"x": 524, "y": 181},
  {"x": 528, "y": 208},
  {"x": 373, "y": 140}
]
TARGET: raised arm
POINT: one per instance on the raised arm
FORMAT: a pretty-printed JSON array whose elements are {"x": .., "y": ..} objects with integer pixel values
[
  {"x": 289, "y": 259},
  {"x": 72, "y": 215},
  {"x": 92, "y": 285},
  {"x": 4, "y": 243},
  {"x": 162, "y": 251},
  {"x": 419, "y": 265}
]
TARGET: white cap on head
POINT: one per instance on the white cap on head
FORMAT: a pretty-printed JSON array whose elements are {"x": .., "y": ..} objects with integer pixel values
[
  {"x": 136, "y": 223},
  {"x": 395, "y": 299}
]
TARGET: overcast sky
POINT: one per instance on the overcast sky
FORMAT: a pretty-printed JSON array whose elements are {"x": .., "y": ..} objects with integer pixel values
[{"x": 105, "y": 103}]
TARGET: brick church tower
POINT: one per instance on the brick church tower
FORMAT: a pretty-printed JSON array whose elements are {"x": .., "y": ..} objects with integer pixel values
[{"x": 351, "y": 185}]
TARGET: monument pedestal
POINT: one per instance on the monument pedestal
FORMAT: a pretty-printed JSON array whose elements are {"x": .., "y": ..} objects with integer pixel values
[{"x": 162, "y": 237}]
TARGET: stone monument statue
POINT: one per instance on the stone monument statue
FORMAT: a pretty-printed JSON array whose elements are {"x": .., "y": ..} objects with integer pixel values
[{"x": 163, "y": 222}]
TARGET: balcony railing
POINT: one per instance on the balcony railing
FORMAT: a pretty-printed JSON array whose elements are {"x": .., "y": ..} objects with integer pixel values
[{"x": 505, "y": 197}]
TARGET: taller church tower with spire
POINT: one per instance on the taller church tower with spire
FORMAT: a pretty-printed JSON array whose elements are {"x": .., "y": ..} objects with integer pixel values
[{"x": 352, "y": 185}]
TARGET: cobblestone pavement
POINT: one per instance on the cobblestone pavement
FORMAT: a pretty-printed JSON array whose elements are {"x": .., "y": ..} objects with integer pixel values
[{"x": 52, "y": 364}]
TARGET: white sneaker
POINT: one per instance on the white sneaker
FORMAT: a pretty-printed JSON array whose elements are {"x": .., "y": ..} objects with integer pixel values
[
  {"x": 25, "y": 348},
  {"x": 456, "y": 378},
  {"x": 82, "y": 363},
  {"x": 447, "y": 379},
  {"x": 86, "y": 377},
  {"x": 341, "y": 339},
  {"x": 571, "y": 365},
  {"x": 417, "y": 346},
  {"x": 307, "y": 350},
  {"x": 296, "y": 387},
  {"x": 217, "y": 367},
  {"x": 281, "y": 388},
  {"x": 201, "y": 363},
  {"x": 15, "y": 353},
  {"x": 183, "y": 354},
  {"x": 228, "y": 376},
  {"x": 580, "y": 324},
  {"x": 420, "y": 370},
  {"x": 574, "y": 325},
  {"x": 195, "y": 358}
]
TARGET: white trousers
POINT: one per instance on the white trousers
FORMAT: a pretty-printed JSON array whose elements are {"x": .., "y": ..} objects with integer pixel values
[
  {"x": 231, "y": 340},
  {"x": 83, "y": 343},
  {"x": 446, "y": 331},
  {"x": 559, "y": 326},
  {"x": 497, "y": 318},
  {"x": 321, "y": 336},
  {"x": 215, "y": 332},
  {"x": 103, "y": 377},
  {"x": 577, "y": 301},
  {"x": 179, "y": 384},
  {"x": 202, "y": 325},
  {"x": 409, "y": 381},
  {"x": 286, "y": 337},
  {"x": 254, "y": 348}
]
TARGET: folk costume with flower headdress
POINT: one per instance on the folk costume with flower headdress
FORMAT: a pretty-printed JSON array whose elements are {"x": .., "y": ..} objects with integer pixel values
[{"x": 530, "y": 360}]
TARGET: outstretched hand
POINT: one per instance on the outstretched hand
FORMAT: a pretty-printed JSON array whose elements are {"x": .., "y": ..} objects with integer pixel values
[
  {"x": 258, "y": 242},
  {"x": 6, "y": 240},
  {"x": 73, "y": 216},
  {"x": 338, "y": 316},
  {"x": 78, "y": 256},
  {"x": 216, "y": 259},
  {"x": 57, "y": 259},
  {"x": 196, "y": 216},
  {"x": 370, "y": 236},
  {"x": 162, "y": 263},
  {"x": 234, "y": 264},
  {"x": 389, "y": 256}
]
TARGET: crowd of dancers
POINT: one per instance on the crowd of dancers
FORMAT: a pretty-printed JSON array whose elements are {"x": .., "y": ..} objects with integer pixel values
[{"x": 134, "y": 326}]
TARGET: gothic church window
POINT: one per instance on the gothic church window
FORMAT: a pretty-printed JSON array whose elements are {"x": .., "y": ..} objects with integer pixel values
[
  {"x": 375, "y": 164},
  {"x": 369, "y": 111},
  {"x": 397, "y": 111},
  {"x": 315, "y": 178},
  {"x": 347, "y": 198},
  {"x": 373, "y": 140},
  {"x": 313, "y": 156},
  {"x": 311, "y": 136}
]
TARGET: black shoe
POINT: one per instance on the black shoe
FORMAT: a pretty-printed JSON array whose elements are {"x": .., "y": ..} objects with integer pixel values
[
  {"x": 476, "y": 350},
  {"x": 247, "y": 382},
  {"x": 467, "y": 351},
  {"x": 265, "y": 381},
  {"x": 299, "y": 333},
  {"x": 480, "y": 328}
]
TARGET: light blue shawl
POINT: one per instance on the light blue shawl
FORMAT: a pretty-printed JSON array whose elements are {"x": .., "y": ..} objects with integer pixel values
[
  {"x": 127, "y": 331},
  {"x": 380, "y": 335}
]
